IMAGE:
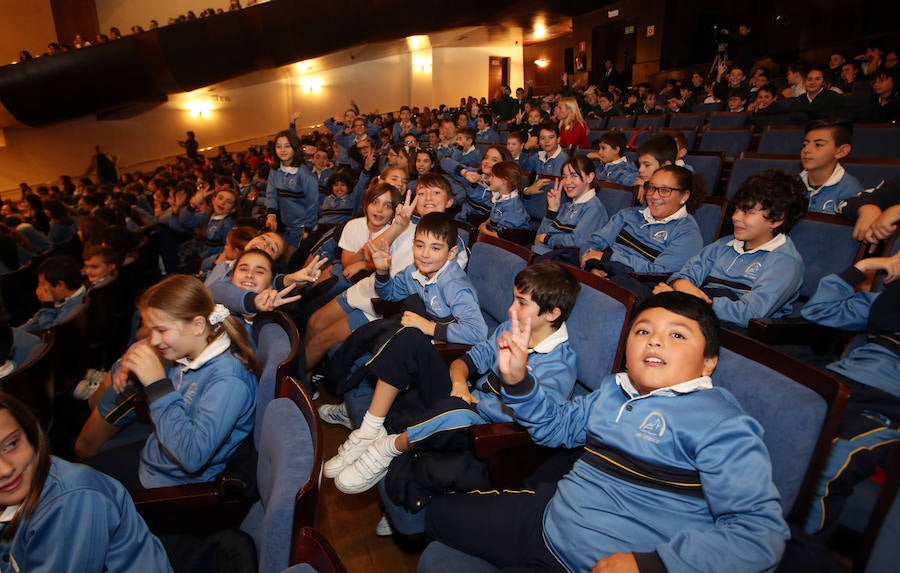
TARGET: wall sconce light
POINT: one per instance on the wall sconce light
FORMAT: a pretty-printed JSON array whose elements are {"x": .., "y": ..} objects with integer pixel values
[
  {"x": 542, "y": 62},
  {"x": 311, "y": 85},
  {"x": 421, "y": 64},
  {"x": 198, "y": 107}
]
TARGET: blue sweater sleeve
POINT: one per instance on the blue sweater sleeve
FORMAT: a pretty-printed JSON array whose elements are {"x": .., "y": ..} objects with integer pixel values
[
  {"x": 271, "y": 193},
  {"x": 749, "y": 531},
  {"x": 551, "y": 423},
  {"x": 590, "y": 222},
  {"x": 777, "y": 284},
  {"x": 193, "y": 440},
  {"x": 190, "y": 218},
  {"x": 838, "y": 305},
  {"x": 698, "y": 268},
  {"x": 395, "y": 287},
  {"x": 605, "y": 236},
  {"x": 469, "y": 327}
]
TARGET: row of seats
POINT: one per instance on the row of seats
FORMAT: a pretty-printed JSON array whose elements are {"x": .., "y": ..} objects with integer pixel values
[{"x": 799, "y": 406}]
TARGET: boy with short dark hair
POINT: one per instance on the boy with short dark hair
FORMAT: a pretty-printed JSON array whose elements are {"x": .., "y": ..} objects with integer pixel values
[
  {"x": 60, "y": 291},
  {"x": 449, "y": 312},
  {"x": 673, "y": 475},
  {"x": 486, "y": 132},
  {"x": 828, "y": 185},
  {"x": 615, "y": 166},
  {"x": 470, "y": 155},
  {"x": 548, "y": 161},
  {"x": 544, "y": 294},
  {"x": 515, "y": 144},
  {"x": 657, "y": 151},
  {"x": 101, "y": 265},
  {"x": 757, "y": 272}
]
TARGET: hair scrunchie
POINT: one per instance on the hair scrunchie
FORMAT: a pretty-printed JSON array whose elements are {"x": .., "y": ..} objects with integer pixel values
[{"x": 219, "y": 314}]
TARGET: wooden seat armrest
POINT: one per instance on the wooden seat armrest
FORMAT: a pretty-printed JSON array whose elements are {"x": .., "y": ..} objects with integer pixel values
[
  {"x": 385, "y": 308},
  {"x": 360, "y": 275},
  {"x": 492, "y": 438},
  {"x": 789, "y": 329},
  {"x": 194, "y": 495},
  {"x": 450, "y": 351},
  {"x": 518, "y": 236},
  {"x": 651, "y": 277}
]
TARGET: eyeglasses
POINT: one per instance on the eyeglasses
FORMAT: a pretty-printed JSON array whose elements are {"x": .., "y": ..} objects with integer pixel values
[{"x": 663, "y": 192}]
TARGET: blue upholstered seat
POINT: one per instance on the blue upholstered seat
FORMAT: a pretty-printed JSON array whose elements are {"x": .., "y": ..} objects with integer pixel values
[
  {"x": 493, "y": 266},
  {"x": 615, "y": 198},
  {"x": 785, "y": 141},
  {"x": 750, "y": 164},
  {"x": 733, "y": 141},
  {"x": 286, "y": 458}
]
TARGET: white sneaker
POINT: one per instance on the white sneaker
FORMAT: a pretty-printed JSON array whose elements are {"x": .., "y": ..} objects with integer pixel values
[
  {"x": 350, "y": 450},
  {"x": 336, "y": 415},
  {"x": 384, "y": 529},
  {"x": 89, "y": 385},
  {"x": 368, "y": 469}
]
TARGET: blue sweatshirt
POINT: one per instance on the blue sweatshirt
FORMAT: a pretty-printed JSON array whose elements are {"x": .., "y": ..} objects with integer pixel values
[
  {"x": 838, "y": 305},
  {"x": 743, "y": 284},
  {"x": 448, "y": 295},
  {"x": 508, "y": 213},
  {"x": 201, "y": 414},
  {"x": 552, "y": 361},
  {"x": 690, "y": 433},
  {"x": 829, "y": 197},
  {"x": 294, "y": 197},
  {"x": 84, "y": 522},
  {"x": 621, "y": 171},
  {"x": 647, "y": 245},
  {"x": 544, "y": 165},
  {"x": 573, "y": 224}
]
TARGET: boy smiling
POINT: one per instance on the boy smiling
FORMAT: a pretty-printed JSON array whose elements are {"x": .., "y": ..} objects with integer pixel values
[
  {"x": 673, "y": 475},
  {"x": 757, "y": 272},
  {"x": 543, "y": 294},
  {"x": 446, "y": 309}
]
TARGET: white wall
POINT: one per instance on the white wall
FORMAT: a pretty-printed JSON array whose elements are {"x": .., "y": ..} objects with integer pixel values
[
  {"x": 249, "y": 108},
  {"x": 32, "y": 28},
  {"x": 464, "y": 71}
]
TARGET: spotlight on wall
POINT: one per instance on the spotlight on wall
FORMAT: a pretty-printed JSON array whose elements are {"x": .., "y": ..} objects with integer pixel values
[{"x": 542, "y": 62}]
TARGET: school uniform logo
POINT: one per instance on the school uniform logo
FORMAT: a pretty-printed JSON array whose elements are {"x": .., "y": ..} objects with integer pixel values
[
  {"x": 652, "y": 428},
  {"x": 828, "y": 206},
  {"x": 753, "y": 269},
  {"x": 661, "y": 236}
]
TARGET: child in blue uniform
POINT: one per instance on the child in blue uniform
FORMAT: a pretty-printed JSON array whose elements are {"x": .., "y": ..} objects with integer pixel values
[
  {"x": 471, "y": 186},
  {"x": 827, "y": 142},
  {"x": 508, "y": 212},
  {"x": 292, "y": 193},
  {"x": 614, "y": 167},
  {"x": 452, "y": 314},
  {"x": 548, "y": 161},
  {"x": 340, "y": 204},
  {"x": 658, "y": 238},
  {"x": 60, "y": 292},
  {"x": 869, "y": 434},
  {"x": 64, "y": 517},
  {"x": 211, "y": 221},
  {"x": 201, "y": 407},
  {"x": 757, "y": 272},
  {"x": 544, "y": 293},
  {"x": 571, "y": 224},
  {"x": 673, "y": 475}
]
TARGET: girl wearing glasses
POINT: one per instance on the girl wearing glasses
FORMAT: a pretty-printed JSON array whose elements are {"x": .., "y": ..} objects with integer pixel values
[
  {"x": 656, "y": 239},
  {"x": 757, "y": 272}
]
